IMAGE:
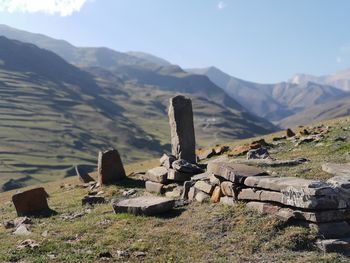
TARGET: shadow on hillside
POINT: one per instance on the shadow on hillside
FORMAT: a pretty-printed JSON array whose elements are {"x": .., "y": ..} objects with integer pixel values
[
  {"x": 130, "y": 182},
  {"x": 172, "y": 213}
]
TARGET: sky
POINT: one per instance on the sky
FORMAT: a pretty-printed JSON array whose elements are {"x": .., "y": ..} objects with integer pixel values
[{"x": 264, "y": 41}]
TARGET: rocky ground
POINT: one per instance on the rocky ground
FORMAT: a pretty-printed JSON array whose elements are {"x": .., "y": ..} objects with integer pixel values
[{"x": 200, "y": 232}]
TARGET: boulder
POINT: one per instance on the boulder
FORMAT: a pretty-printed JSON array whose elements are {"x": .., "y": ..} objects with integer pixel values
[
  {"x": 182, "y": 128},
  {"x": 233, "y": 172},
  {"x": 167, "y": 160},
  {"x": 158, "y": 175},
  {"x": 144, "y": 205},
  {"x": 110, "y": 167},
  {"x": 31, "y": 202},
  {"x": 186, "y": 167}
]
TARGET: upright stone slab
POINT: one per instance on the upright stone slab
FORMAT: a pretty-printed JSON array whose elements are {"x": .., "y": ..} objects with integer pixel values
[
  {"x": 183, "y": 141},
  {"x": 110, "y": 167},
  {"x": 31, "y": 202}
]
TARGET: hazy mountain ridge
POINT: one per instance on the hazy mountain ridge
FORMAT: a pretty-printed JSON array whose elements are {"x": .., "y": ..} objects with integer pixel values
[{"x": 272, "y": 101}]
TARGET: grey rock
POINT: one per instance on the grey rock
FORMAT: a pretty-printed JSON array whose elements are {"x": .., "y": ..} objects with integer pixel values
[
  {"x": 341, "y": 245},
  {"x": 227, "y": 188},
  {"x": 28, "y": 243},
  {"x": 214, "y": 180},
  {"x": 337, "y": 169},
  {"x": 175, "y": 192},
  {"x": 260, "y": 153},
  {"x": 340, "y": 139},
  {"x": 201, "y": 177},
  {"x": 110, "y": 167},
  {"x": 144, "y": 205},
  {"x": 192, "y": 193},
  {"x": 186, "y": 188},
  {"x": 22, "y": 230},
  {"x": 182, "y": 128},
  {"x": 129, "y": 192},
  {"x": 154, "y": 187},
  {"x": 167, "y": 160},
  {"x": 158, "y": 175},
  {"x": 183, "y": 166}
]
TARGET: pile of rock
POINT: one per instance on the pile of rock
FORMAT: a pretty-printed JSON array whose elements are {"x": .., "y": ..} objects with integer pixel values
[{"x": 322, "y": 205}]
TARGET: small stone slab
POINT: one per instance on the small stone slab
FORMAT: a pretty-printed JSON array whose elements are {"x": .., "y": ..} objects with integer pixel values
[
  {"x": 186, "y": 167},
  {"x": 154, "y": 187},
  {"x": 233, "y": 172},
  {"x": 337, "y": 169},
  {"x": 144, "y": 205},
  {"x": 110, "y": 167},
  {"x": 31, "y": 202},
  {"x": 158, "y": 175}
]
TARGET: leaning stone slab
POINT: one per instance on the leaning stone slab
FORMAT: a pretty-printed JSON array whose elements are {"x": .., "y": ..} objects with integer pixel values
[
  {"x": 145, "y": 205},
  {"x": 158, "y": 175},
  {"x": 110, "y": 167},
  {"x": 337, "y": 169},
  {"x": 233, "y": 172},
  {"x": 183, "y": 141},
  {"x": 31, "y": 202},
  {"x": 177, "y": 176},
  {"x": 83, "y": 174}
]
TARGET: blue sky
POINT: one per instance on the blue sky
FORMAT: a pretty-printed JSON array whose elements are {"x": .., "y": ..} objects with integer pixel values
[{"x": 258, "y": 40}]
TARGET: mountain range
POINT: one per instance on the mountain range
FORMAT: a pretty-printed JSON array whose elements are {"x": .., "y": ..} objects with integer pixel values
[{"x": 61, "y": 104}]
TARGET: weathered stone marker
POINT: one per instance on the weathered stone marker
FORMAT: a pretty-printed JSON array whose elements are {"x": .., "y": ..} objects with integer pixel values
[
  {"x": 183, "y": 140},
  {"x": 110, "y": 167},
  {"x": 31, "y": 202}
]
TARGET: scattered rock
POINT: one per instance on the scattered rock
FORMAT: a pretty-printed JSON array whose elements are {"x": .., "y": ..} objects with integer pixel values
[
  {"x": 92, "y": 200},
  {"x": 130, "y": 192},
  {"x": 303, "y": 131},
  {"x": 260, "y": 153},
  {"x": 182, "y": 128},
  {"x": 110, "y": 167},
  {"x": 144, "y": 205},
  {"x": 122, "y": 254},
  {"x": 139, "y": 254},
  {"x": 105, "y": 255},
  {"x": 22, "y": 230},
  {"x": 31, "y": 202},
  {"x": 334, "y": 245},
  {"x": 28, "y": 243},
  {"x": 186, "y": 167},
  {"x": 158, "y": 175},
  {"x": 74, "y": 215},
  {"x": 340, "y": 139}
]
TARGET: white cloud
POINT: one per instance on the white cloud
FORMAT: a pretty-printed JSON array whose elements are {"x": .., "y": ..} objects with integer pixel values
[
  {"x": 61, "y": 7},
  {"x": 222, "y": 5}
]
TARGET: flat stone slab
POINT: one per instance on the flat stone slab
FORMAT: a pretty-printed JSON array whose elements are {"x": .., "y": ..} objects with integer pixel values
[
  {"x": 271, "y": 162},
  {"x": 334, "y": 245},
  {"x": 287, "y": 213},
  {"x": 31, "y": 202},
  {"x": 233, "y": 172},
  {"x": 337, "y": 169},
  {"x": 144, "y": 205}
]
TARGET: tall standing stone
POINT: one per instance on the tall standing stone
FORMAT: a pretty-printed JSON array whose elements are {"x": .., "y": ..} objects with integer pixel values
[
  {"x": 183, "y": 140},
  {"x": 110, "y": 167}
]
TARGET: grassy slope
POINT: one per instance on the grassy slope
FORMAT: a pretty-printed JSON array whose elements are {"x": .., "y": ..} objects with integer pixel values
[{"x": 199, "y": 232}]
